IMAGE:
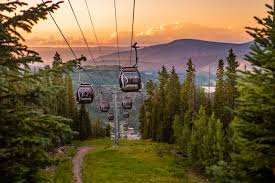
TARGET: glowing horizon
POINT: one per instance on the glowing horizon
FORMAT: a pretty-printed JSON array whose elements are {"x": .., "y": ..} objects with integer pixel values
[{"x": 156, "y": 21}]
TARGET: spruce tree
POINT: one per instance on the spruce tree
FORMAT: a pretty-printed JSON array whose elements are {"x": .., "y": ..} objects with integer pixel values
[
  {"x": 58, "y": 80},
  {"x": 27, "y": 131},
  {"x": 57, "y": 60},
  {"x": 84, "y": 128},
  {"x": 108, "y": 131},
  {"x": 255, "y": 139},
  {"x": 231, "y": 92},
  {"x": 98, "y": 130},
  {"x": 188, "y": 102},
  {"x": 155, "y": 118},
  {"x": 163, "y": 78},
  {"x": 201, "y": 99},
  {"x": 70, "y": 103},
  {"x": 219, "y": 97},
  {"x": 199, "y": 129},
  {"x": 188, "y": 94},
  {"x": 218, "y": 146},
  {"x": 178, "y": 131},
  {"x": 148, "y": 104},
  {"x": 141, "y": 119},
  {"x": 172, "y": 106}
]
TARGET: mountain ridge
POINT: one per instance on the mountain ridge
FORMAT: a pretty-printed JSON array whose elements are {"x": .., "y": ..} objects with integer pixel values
[
  {"x": 203, "y": 53},
  {"x": 177, "y": 52}
]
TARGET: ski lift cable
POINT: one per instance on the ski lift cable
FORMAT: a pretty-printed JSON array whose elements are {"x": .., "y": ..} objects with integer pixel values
[
  {"x": 67, "y": 42},
  {"x": 92, "y": 23},
  {"x": 59, "y": 29},
  {"x": 85, "y": 40},
  {"x": 117, "y": 42},
  {"x": 132, "y": 34},
  {"x": 83, "y": 36},
  {"x": 95, "y": 34}
]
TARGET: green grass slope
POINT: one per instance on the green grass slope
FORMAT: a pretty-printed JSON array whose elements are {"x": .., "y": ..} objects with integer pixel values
[{"x": 135, "y": 162}]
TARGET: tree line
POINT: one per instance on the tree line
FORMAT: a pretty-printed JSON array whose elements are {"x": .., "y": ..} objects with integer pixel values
[
  {"x": 230, "y": 135},
  {"x": 38, "y": 111},
  {"x": 64, "y": 104}
]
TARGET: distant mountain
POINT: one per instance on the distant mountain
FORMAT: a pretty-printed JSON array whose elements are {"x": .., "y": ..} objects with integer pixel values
[
  {"x": 177, "y": 53},
  {"x": 47, "y": 53}
]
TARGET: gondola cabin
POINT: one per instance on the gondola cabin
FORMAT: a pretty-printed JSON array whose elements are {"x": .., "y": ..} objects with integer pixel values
[
  {"x": 111, "y": 116},
  {"x": 104, "y": 106},
  {"x": 85, "y": 93},
  {"x": 127, "y": 103},
  {"x": 130, "y": 79},
  {"x": 125, "y": 115}
]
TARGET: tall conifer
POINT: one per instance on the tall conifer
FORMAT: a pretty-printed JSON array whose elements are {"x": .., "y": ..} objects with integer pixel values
[
  {"x": 231, "y": 92},
  {"x": 172, "y": 106},
  {"x": 219, "y": 97},
  {"x": 27, "y": 130},
  {"x": 255, "y": 138}
]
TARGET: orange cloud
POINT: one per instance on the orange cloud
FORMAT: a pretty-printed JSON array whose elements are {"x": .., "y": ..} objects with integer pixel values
[
  {"x": 152, "y": 35},
  {"x": 179, "y": 30},
  {"x": 182, "y": 30}
]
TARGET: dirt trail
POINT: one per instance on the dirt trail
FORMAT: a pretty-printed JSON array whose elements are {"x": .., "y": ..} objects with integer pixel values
[{"x": 77, "y": 162}]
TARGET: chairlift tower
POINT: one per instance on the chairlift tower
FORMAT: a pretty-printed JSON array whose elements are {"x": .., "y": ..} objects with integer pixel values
[{"x": 115, "y": 90}]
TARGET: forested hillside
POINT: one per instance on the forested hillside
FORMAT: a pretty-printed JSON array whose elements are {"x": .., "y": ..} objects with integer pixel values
[
  {"x": 108, "y": 75},
  {"x": 229, "y": 136}
]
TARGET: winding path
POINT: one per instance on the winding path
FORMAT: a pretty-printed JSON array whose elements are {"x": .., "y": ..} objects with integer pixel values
[{"x": 77, "y": 162}]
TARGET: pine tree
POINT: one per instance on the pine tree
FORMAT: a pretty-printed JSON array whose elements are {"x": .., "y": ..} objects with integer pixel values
[
  {"x": 219, "y": 98},
  {"x": 108, "y": 130},
  {"x": 98, "y": 130},
  {"x": 70, "y": 104},
  {"x": 188, "y": 94},
  {"x": 231, "y": 92},
  {"x": 84, "y": 129},
  {"x": 218, "y": 146},
  {"x": 178, "y": 132},
  {"x": 141, "y": 119},
  {"x": 188, "y": 102},
  {"x": 172, "y": 106},
  {"x": 58, "y": 80},
  {"x": 213, "y": 143},
  {"x": 155, "y": 118},
  {"x": 255, "y": 139},
  {"x": 57, "y": 60},
  {"x": 199, "y": 129},
  {"x": 27, "y": 132},
  {"x": 201, "y": 99},
  {"x": 252, "y": 135},
  {"x": 148, "y": 104},
  {"x": 163, "y": 78}
]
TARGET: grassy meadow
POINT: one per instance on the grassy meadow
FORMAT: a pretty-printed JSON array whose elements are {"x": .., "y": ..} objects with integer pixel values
[{"x": 133, "y": 161}]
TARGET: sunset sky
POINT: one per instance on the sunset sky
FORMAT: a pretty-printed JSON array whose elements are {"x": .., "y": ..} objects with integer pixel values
[{"x": 157, "y": 21}]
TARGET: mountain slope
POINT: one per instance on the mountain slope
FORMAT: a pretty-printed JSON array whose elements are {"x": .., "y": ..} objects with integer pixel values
[{"x": 176, "y": 53}]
